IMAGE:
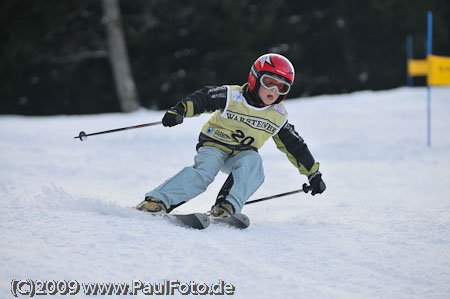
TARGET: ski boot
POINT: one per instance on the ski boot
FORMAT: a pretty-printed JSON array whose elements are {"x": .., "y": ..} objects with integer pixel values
[
  {"x": 152, "y": 205},
  {"x": 222, "y": 208}
]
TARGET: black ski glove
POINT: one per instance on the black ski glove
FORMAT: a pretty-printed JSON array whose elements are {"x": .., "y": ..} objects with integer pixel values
[
  {"x": 174, "y": 116},
  {"x": 316, "y": 183}
]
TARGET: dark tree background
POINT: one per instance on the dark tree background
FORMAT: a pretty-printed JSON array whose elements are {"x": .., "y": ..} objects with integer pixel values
[{"x": 53, "y": 54}]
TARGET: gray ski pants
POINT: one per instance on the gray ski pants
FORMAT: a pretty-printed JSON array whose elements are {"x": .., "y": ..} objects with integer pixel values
[{"x": 246, "y": 166}]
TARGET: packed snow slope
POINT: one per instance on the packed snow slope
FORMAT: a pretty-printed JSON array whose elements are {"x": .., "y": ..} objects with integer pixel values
[{"x": 381, "y": 229}]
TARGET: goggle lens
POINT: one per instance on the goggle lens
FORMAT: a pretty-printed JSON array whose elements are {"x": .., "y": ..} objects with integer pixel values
[{"x": 279, "y": 85}]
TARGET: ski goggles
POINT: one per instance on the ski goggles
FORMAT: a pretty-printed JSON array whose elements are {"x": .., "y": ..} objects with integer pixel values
[{"x": 271, "y": 82}]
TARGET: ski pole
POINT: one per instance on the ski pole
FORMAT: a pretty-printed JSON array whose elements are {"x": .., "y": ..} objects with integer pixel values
[
  {"x": 304, "y": 189},
  {"x": 83, "y": 136}
]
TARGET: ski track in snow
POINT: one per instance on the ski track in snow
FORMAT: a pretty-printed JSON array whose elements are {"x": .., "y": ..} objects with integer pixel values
[{"x": 381, "y": 230}]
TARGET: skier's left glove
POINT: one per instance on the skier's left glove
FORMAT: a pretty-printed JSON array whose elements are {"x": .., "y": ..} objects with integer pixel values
[
  {"x": 175, "y": 115},
  {"x": 316, "y": 183}
]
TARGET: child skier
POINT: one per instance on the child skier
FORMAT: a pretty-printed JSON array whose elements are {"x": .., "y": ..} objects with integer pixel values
[{"x": 245, "y": 117}]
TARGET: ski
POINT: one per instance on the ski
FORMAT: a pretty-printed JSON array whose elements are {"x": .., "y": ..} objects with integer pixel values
[
  {"x": 202, "y": 221},
  {"x": 240, "y": 221},
  {"x": 194, "y": 220}
]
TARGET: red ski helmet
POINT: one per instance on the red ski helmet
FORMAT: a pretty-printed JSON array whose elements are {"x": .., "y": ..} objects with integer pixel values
[{"x": 272, "y": 64}]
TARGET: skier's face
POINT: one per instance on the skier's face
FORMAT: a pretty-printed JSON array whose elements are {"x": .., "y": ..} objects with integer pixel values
[{"x": 268, "y": 96}]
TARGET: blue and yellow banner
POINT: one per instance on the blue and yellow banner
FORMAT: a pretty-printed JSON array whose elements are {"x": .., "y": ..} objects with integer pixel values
[
  {"x": 417, "y": 67},
  {"x": 438, "y": 70}
]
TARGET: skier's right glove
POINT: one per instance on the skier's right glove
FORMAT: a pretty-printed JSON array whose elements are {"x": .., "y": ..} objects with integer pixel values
[
  {"x": 175, "y": 115},
  {"x": 316, "y": 183}
]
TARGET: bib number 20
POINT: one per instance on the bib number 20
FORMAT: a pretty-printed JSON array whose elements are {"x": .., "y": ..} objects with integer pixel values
[{"x": 240, "y": 137}]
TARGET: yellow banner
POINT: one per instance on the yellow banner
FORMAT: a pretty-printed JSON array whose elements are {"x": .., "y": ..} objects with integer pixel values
[
  {"x": 439, "y": 73},
  {"x": 417, "y": 67}
]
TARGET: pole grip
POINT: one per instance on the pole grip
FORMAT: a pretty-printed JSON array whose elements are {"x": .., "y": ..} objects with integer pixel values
[{"x": 306, "y": 188}]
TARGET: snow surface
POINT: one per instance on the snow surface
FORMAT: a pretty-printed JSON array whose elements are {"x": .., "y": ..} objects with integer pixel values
[{"x": 381, "y": 229}]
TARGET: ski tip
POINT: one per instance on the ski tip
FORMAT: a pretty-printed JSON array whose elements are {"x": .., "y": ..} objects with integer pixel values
[
  {"x": 243, "y": 219},
  {"x": 240, "y": 221},
  {"x": 196, "y": 220},
  {"x": 203, "y": 219}
]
